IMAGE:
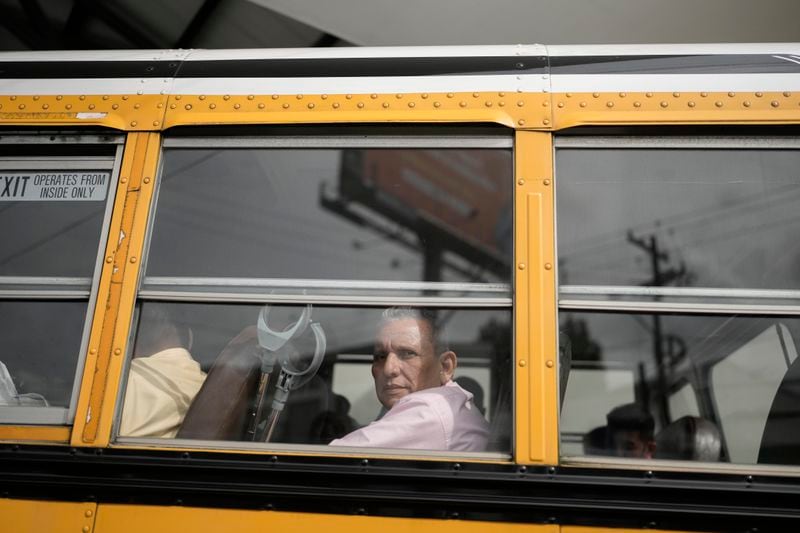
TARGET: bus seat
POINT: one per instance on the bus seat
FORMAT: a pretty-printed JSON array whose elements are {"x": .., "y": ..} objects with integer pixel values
[
  {"x": 780, "y": 441},
  {"x": 689, "y": 438},
  {"x": 220, "y": 409}
]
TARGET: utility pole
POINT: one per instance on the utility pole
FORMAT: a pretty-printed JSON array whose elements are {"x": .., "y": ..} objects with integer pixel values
[{"x": 662, "y": 275}]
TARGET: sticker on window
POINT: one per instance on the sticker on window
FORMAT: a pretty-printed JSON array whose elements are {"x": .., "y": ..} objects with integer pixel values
[{"x": 58, "y": 186}]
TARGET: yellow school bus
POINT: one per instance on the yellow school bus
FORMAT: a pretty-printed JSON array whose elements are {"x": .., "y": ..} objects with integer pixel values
[{"x": 198, "y": 246}]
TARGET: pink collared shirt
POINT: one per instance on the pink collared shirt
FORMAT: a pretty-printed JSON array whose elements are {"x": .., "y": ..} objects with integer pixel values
[{"x": 441, "y": 418}]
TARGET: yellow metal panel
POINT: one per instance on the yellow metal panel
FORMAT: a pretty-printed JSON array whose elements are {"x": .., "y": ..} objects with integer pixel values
[
  {"x": 575, "y": 109},
  {"x": 586, "y": 529},
  {"x": 124, "y": 112},
  {"x": 27, "y": 516},
  {"x": 134, "y": 519},
  {"x": 518, "y": 110},
  {"x": 46, "y": 434},
  {"x": 536, "y": 353},
  {"x": 108, "y": 341}
]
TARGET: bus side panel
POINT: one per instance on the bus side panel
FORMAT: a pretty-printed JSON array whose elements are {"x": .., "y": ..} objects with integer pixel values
[
  {"x": 136, "y": 518},
  {"x": 26, "y": 516}
]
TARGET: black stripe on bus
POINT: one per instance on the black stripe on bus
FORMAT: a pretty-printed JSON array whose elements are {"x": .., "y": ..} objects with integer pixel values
[
  {"x": 87, "y": 69},
  {"x": 404, "y": 488},
  {"x": 277, "y": 68},
  {"x": 676, "y": 64}
]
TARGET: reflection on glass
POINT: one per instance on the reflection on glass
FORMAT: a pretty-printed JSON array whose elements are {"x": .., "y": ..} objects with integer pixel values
[
  {"x": 312, "y": 375},
  {"x": 356, "y": 214},
  {"x": 706, "y": 388},
  {"x": 678, "y": 217},
  {"x": 41, "y": 344}
]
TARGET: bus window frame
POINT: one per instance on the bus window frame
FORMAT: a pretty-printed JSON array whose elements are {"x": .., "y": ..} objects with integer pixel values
[
  {"x": 49, "y": 288},
  {"x": 150, "y": 289},
  {"x": 686, "y": 301}
]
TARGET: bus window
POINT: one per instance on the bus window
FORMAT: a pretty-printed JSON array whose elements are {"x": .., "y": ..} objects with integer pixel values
[
  {"x": 54, "y": 206},
  {"x": 281, "y": 259},
  {"x": 676, "y": 261}
]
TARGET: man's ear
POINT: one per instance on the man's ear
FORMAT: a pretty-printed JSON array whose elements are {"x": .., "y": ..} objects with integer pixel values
[{"x": 449, "y": 362}]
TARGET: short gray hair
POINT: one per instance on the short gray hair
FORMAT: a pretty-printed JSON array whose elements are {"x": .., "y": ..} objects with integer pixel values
[{"x": 438, "y": 340}]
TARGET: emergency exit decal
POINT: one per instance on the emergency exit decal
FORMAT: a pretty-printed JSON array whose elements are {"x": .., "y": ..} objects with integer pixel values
[{"x": 53, "y": 186}]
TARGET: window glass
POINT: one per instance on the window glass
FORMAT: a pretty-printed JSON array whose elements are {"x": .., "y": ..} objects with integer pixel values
[
  {"x": 41, "y": 344},
  {"x": 57, "y": 217},
  {"x": 745, "y": 368},
  {"x": 197, "y": 368},
  {"x": 334, "y": 214},
  {"x": 712, "y": 218}
]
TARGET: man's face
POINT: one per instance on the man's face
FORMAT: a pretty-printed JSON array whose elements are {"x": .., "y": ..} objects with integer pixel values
[
  {"x": 404, "y": 360},
  {"x": 630, "y": 443}
]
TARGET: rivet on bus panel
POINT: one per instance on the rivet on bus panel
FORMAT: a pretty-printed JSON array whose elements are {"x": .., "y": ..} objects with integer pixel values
[
  {"x": 202, "y": 97},
  {"x": 188, "y": 106},
  {"x": 311, "y": 105},
  {"x": 623, "y": 95},
  {"x": 595, "y": 95},
  {"x": 385, "y": 105},
  {"x": 237, "y": 106},
  {"x": 137, "y": 106},
  {"x": 704, "y": 94},
  {"x": 649, "y": 95},
  {"x": 583, "y": 104},
  {"x": 13, "y": 98},
  {"x": 275, "y": 96},
  {"x": 774, "y": 103},
  {"x": 546, "y": 182},
  {"x": 759, "y": 94},
  {"x": 548, "y": 266},
  {"x": 520, "y": 103},
  {"x": 91, "y": 106},
  {"x": 146, "y": 180},
  {"x": 117, "y": 351},
  {"x": 488, "y": 104},
  {"x": 462, "y": 104},
  {"x": 545, "y": 122},
  {"x": 159, "y": 105},
  {"x": 155, "y": 123},
  {"x": 664, "y": 104},
  {"x": 45, "y": 106},
  {"x": 560, "y": 104},
  {"x": 22, "y": 106},
  {"x": 523, "y": 363},
  {"x": 299, "y": 97},
  {"x": 82, "y": 97},
  {"x": 731, "y": 94},
  {"x": 360, "y": 105},
  {"x": 59, "y": 97},
  {"x": 88, "y": 514},
  {"x": 285, "y": 106},
  {"x": 437, "y": 104},
  {"x": 35, "y": 98},
  {"x": 373, "y": 96},
  {"x": 690, "y": 104},
  {"x": 93, "y": 351},
  {"x": 718, "y": 103},
  {"x": 172, "y": 106},
  {"x": 133, "y": 259},
  {"x": 475, "y": 95},
  {"x": 336, "y": 105},
  {"x": 569, "y": 95},
  {"x": 501, "y": 104},
  {"x": 86, "y": 529},
  {"x": 250, "y": 97},
  {"x": 521, "y": 266},
  {"x": 324, "y": 96},
  {"x": 123, "y": 180},
  {"x": 261, "y": 106},
  {"x": 398, "y": 95},
  {"x": 212, "y": 106},
  {"x": 68, "y": 106},
  {"x": 521, "y": 122},
  {"x": 549, "y": 364},
  {"x": 787, "y": 94},
  {"x": 609, "y": 104},
  {"x": 501, "y": 95},
  {"x": 521, "y": 182},
  {"x": 411, "y": 104},
  {"x": 109, "y": 259},
  {"x": 226, "y": 97},
  {"x": 349, "y": 96},
  {"x": 450, "y": 95},
  {"x": 676, "y": 95}
]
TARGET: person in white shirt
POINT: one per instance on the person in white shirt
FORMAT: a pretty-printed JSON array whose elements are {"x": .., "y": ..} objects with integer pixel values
[{"x": 163, "y": 378}]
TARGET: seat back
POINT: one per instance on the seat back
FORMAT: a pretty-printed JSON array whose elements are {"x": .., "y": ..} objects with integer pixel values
[{"x": 780, "y": 441}]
